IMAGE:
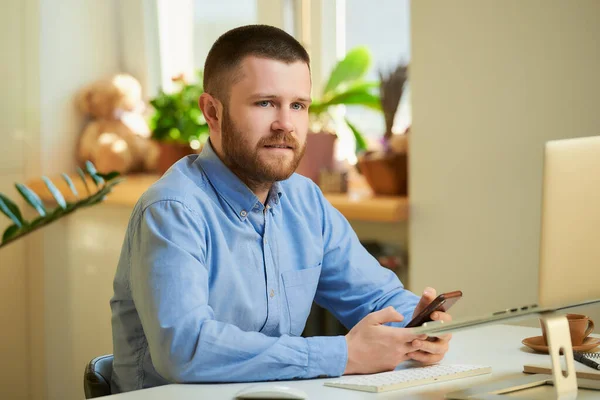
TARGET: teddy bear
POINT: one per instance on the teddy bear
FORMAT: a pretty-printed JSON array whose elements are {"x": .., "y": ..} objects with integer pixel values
[{"x": 117, "y": 138}]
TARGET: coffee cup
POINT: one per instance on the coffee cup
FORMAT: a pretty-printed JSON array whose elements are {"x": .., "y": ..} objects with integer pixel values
[{"x": 580, "y": 327}]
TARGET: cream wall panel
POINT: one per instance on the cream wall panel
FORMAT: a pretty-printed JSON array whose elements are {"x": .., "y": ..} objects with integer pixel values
[
  {"x": 79, "y": 43},
  {"x": 491, "y": 82},
  {"x": 14, "y": 353},
  {"x": 11, "y": 86},
  {"x": 82, "y": 252}
]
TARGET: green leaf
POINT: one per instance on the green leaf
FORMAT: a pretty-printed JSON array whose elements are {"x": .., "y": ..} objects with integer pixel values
[
  {"x": 110, "y": 176},
  {"x": 71, "y": 185},
  {"x": 10, "y": 232},
  {"x": 358, "y": 96},
  {"x": 361, "y": 144},
  {"x": 60, "y": 200},
  {"x": 57, "y": 213},
  {"x": 352, "y": 97},
  {"x": 11, "y": 210},
  {"x": 361, "y": 86},
  {"x": 31, "y": 198},
  {"x": 353, "y": 67},
  {"x": 91, "y": 169},
  {"x": 38, "y": 221},
  {"x": 82, "y": 176},
  {"x": 106, "y": 189},
  {"x": 13, "y": 232},
  {"x": 176, "y": 116}
]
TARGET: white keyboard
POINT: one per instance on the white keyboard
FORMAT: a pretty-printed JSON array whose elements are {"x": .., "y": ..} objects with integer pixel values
[{"x": 410, "y": 377}]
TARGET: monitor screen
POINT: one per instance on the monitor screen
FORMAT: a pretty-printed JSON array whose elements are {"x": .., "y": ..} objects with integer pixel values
[{"x": 570, "y": 237}]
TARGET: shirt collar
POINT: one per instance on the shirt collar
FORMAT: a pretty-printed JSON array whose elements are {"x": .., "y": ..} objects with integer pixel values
[{"x": 230, "y": 187}]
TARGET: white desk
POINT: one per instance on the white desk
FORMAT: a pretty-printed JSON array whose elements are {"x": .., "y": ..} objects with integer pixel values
[{"x": 497, "y": 346}]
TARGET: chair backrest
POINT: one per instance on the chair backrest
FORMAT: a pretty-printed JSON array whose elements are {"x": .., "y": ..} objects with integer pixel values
[{"x": 96, "y": 379}]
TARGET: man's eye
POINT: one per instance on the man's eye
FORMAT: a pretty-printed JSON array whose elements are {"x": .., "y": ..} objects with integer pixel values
[
  {"x": 263, "y": 103},
  {"x": 298, "y": 106}
]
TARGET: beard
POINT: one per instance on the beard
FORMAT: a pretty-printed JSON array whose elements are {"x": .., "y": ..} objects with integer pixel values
[{"x": 251, "y": 164}]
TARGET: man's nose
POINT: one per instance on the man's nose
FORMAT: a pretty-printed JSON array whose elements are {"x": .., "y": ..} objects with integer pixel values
[{"x": 283, "y": 122}]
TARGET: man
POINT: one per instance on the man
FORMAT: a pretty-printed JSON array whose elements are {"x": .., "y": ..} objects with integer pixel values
[{"x": 225, "y": 254}]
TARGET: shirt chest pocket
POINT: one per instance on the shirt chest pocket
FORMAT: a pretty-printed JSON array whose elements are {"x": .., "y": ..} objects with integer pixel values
[{"x": 300, "y": 287}]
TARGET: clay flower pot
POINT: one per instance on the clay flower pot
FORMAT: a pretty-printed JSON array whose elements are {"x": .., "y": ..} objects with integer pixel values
[
  {"x": 170, "y": 153},
  {"x": 319, "y": 155},
  {"x": 386, "y": 173}
]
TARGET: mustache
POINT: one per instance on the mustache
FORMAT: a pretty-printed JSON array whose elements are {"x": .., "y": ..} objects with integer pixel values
[{"x": 280, "y": 139}]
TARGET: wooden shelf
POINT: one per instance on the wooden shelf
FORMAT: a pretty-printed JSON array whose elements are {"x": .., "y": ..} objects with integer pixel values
[
  {"x": 358, "y": 204},
  {"x": 370, "y": 208}
]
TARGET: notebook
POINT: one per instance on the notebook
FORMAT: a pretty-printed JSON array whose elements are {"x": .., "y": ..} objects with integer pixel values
[
  {"x": 394, "y": 380},
  {"x": 586, "y": 369}
]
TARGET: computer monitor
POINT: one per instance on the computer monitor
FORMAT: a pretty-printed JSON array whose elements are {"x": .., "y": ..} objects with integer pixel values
[
  {"x": 569, "y": 262},
  {"x": 570, "y": 236}
]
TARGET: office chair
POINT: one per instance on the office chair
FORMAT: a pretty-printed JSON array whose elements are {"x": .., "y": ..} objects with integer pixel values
[{"x": 96, "y": 378}]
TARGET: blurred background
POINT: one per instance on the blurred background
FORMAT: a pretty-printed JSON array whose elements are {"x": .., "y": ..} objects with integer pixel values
[{"x": 488, "y": 83}]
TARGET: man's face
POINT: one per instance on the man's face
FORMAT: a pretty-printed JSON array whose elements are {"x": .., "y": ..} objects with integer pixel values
[{"x": 265, "y": 123}]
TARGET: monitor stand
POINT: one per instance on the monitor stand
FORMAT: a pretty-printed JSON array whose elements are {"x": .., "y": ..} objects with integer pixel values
[{"x": 565, "y": 384}]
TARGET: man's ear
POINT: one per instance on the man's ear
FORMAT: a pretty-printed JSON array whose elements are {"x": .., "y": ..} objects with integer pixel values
[{"x": 212, "y": 109}]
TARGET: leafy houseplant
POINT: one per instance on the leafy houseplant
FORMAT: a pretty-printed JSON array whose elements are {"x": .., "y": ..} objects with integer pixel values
[
  {"x": 346, "y": 85},
  {"x": 20, "y": 226},
  {"x": 177, "y": 123}
]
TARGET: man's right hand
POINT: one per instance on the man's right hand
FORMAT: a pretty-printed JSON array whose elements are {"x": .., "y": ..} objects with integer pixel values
[{"x": 374, "y": 347}]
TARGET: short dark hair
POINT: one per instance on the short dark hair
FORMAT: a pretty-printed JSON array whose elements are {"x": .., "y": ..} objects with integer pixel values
[{"x": 227, "y": 53}]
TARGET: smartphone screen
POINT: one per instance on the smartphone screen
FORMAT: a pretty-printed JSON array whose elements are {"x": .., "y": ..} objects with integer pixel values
[{"x": 441, "y": 303}]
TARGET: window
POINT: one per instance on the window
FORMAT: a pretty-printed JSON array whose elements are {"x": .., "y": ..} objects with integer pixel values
[
  {"x": 384, "y": 27},
  {"x": 213, "y": 18},
  {"x": 188, "y": 28},
  {"x": 328, "y": 28}
]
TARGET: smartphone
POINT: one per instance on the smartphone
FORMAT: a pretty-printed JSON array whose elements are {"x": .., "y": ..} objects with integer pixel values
[{"x": 441, "y": 303}]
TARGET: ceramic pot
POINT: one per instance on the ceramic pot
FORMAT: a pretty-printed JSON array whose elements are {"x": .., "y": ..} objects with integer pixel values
[
  {"x": 319, "y": 155},
  {"x": 386, "y": 173},
  {"x": 170, "y": 153}
]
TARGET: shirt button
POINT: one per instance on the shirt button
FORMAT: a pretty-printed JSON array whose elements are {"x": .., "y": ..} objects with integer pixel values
[
  {"x": 243, "y": 213},
  {"x": 272, "y": 294}
]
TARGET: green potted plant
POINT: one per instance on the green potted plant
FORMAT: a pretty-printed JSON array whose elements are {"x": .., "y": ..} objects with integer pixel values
[
  {"x": 386, "y": 170},
  {"x": 177, "y": 123},
  {"x": 20, "y": 226},
  {"x": 346, "y": 85}
]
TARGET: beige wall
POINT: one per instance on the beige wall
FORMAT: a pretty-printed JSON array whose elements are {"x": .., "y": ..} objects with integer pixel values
[
  {"x": 491, "y": 82},
  {"x": 79, "y": 42},
  {"x": 70, "y": 302},
  {"x": 14, "y": 353},
  {"x": 48, "y": 53}
]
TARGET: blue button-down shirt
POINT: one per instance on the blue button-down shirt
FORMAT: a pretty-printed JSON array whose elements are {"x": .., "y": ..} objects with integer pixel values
[{"x": 213, "y": 286}]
